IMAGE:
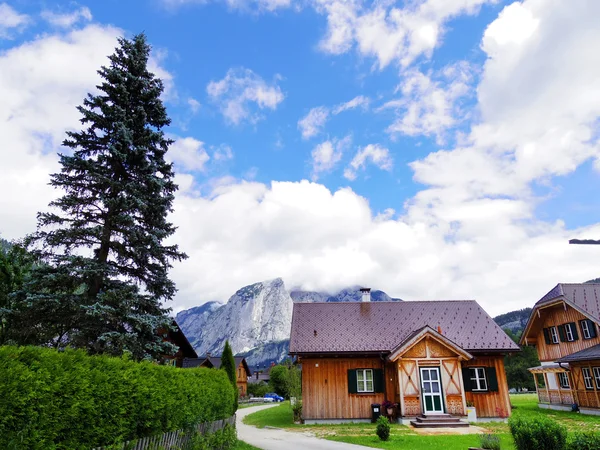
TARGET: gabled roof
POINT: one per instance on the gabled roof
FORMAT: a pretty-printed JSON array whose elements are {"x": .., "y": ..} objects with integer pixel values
[
  {"x": 587, "y": 354},
  {"x": 214, "y": 361},
  {"x": 417, "y": 335},
  {"x": 584, "y": 297},
  {"x": 369, "y": 327},
  {"x": 179, "y": 338}
]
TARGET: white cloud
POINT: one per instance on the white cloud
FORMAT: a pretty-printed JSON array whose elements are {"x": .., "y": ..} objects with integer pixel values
[
  {"x": 327, "y": 155},
  {"x": 252, "y": 6},
  {"x": 223, "y": 153},
  {"x": 67, "y": 20},
  {"x": 431, "y": 104},
  {"x": 387, "y": 32},
  {"x": 239, "y": 90},
  {"x": 313, "y": 123},
  {"x": 194, "y": 105},
  {"x": 359, "y": 101},
  {"x": 11, "y": 20},
  {"x": 372, "y": 153},
  {"x": 188, "y": 154}
]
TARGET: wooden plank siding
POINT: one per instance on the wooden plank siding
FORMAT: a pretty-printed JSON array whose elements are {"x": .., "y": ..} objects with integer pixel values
[
  {"x": 490, "y": 404},
  {"x": 552, "y": 317},
  {"x": 242, "y": 380},
  {"x": 325, "y": 388}
]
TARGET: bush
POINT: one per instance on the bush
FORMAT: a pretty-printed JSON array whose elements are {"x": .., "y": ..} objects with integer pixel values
[
  {"x": 69, "y": 400},
  {"x": 258, "y": 389},
  {"x": 539, "y": 434},
  {"x": 223, "y": 439},
  {"x": 383, "y": 428},
  {"x": 297, "y": 410},
  {"x": 490, "y": 441},
  {"x": 584, "y": 441}
]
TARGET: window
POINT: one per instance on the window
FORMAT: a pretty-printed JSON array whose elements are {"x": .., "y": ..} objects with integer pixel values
[
  {"x": 364, "y": 380},
  {"x": 569, "y": 332},
  {"x": 478, "y": 380},
  {"x": 597, "y": 376},
  {"x": 587, "y": 378},
  {"x": 563, "y": 380},
  {"x": 588, "y": 329},
  {"x": 554, "y": 335}
]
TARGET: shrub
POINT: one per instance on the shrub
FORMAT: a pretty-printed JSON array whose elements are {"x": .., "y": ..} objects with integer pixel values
[
  {"x": 490, "y": 441},
  {"x": 69, "y": 400},
  {"x": 538, "y": 433},
  {"x": 584, "y": 441},
  {"x": 383, "y": 428},
  {"x": 297, "y": 410},
  {"x": 258, "y": 389},
  {"x": 223, "y": 439}
]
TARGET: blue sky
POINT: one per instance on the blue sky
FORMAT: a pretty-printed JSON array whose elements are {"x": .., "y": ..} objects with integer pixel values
[{"x": 337, "y": 142}]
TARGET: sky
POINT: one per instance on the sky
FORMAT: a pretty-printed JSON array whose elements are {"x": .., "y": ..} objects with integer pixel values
[{"x": 433, "y": 149}]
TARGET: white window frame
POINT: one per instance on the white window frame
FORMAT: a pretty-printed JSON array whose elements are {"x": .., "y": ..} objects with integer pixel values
[
  {"x": 596, "y": 371},
  {"x": 569, "y": 332},
  {"x": 585, "y": 329},
  {"x": 478, "y": 379},
  {"x": 587, "y": 378},
  {"x": 563, "y": 380},
  {"x": 553, "y": 335},
  {"x": 363, "y": 378}
]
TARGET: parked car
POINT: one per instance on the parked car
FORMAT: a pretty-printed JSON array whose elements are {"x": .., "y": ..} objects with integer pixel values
[{"x": 274, "y": 396}]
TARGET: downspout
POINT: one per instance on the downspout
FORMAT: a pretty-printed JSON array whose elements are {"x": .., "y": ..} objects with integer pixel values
[{"x": 384, "y": 377}]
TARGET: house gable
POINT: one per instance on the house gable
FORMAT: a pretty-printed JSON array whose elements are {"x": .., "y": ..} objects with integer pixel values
[{"x": 428, "y": 343}]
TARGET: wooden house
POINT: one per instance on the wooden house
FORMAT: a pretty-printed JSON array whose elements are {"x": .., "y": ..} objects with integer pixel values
[
  {"x": 428, "y": 357},
  {"x": 184, "y": 348},
  {"x": 209, "y": 361},
  {"x": 563, "y": 327}
]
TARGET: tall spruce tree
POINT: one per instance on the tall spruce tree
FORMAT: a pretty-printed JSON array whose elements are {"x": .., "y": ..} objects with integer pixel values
[
  {"x": 106, "y": 276},
  {"x": 228, "y": 365}
]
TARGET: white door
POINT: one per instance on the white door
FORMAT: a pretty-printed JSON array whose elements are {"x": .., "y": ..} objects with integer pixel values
[{"x": 431, "y": 389}]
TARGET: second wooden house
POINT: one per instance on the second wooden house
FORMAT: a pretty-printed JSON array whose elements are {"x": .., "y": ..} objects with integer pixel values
[{"x": 209, "y": 361}]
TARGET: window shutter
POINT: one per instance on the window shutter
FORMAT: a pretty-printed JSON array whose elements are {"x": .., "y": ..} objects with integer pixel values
[
  {"x": 592, "y": 327},
  {"x": 378, "y": 380},
  {"x": 466, "y": 373},
  {"x": 574, "y": 330},
  {"x": 352, "y": 385},
  {"x": 492, "y": 379},
  {"x": 547, "y": 336},
  {"x": 561, "y": 333}
]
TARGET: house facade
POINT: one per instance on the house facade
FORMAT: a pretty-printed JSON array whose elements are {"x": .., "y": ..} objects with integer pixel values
[
  {"x": 209, "y": 361},
  {"x": 175, "y": 336},
  {"x": 563, "y": 327},
  {"x": 428, "y": 357}
]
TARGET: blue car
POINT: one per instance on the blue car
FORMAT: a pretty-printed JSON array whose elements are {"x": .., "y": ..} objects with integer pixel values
[{"x": 274, "y": 396}]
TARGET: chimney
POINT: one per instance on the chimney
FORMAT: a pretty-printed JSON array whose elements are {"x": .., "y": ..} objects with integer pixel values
[
  {"x": 366, "y": 294},
  {"x": 208, "y": 355}
]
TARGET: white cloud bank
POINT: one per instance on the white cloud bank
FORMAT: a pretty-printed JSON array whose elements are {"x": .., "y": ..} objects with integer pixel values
[
  {"x": 67, "y": 20},
  {"x": 11, "y": 20}
]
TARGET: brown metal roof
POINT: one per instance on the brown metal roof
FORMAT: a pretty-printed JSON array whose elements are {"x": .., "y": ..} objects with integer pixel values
[
  {"x": 382, "y": 326},
  {"x": 585, "y": 296},
  {"x": 587, "y": 354}
]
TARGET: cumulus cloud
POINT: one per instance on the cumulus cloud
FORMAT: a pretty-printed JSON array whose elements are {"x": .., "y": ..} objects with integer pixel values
[
  {"x": 223, "y": 153},
  {"x": 328, "y": 154},
  {"x": 241, "y": 91},
  {"x": 386, "y": 31},
  {"x": 251, "y": 6},
  {"x": 359, "y": 101},
  {"x": 313, "y": 123},
  {"x": 374, "y": 154},
  {"x": 11, "y": 20},
  {"x": 67, "y": 20},
  {"x": 194, "y": 105},
  {"x": 188, "y": 154}
]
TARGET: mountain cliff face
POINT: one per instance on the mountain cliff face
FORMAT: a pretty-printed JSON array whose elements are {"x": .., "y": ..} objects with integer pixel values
[{"x": 256, "y": 320}]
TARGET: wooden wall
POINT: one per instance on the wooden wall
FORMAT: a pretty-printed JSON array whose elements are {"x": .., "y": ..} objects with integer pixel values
[
  {"x": 242, "y": 380},
  {"x": 555, "y": 316},
  {"x": 490, "y": 404},
  {"x": 588, "y": 398},
  {"x": 325, "y": 388}
]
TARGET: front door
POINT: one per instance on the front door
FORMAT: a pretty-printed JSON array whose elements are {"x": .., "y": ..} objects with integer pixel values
[{"x": 431, "y": 388}]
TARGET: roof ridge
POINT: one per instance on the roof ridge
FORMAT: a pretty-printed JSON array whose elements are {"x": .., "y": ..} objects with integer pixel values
[{"x": 384, "y": 301}]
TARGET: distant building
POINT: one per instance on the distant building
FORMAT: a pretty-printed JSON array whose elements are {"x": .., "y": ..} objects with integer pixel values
[{"x": 209, "y": 361}]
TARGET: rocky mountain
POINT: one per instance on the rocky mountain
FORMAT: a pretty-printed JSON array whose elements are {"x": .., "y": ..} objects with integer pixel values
[
  {"x": 256, "y": 320},
  {"x": 515, "y": 321}
]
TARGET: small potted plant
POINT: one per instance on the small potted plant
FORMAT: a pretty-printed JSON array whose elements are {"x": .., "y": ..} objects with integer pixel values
[
  {"x": 388, "y": 407},
  {"x": 471, "y": 412}
]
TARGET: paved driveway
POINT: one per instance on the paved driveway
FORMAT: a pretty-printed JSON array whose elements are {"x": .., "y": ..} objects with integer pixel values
[{"x": 278, "y": 439}]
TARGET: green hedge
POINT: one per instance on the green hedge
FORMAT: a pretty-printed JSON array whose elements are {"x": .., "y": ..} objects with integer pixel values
[{"x": 69, "y": 400}]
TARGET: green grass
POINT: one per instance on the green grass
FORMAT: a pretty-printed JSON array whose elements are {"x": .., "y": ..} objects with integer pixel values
[
  {"x": 240, "y": 445},
  {"x": 525, "y": 405}
]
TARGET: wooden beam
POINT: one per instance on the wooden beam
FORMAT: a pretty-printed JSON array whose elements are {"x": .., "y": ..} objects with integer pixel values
[{"x": 547, "y": 387}]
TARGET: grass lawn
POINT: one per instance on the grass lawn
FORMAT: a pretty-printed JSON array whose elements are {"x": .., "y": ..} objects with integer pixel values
[
  {"x": 525, "y": 405},
  {"x": 240, "y": 445}
]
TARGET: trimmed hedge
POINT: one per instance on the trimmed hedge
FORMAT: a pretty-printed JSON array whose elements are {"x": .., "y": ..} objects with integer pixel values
[
  {"x": 538, "y": 433},
  {"x": 69, "y": 400}
]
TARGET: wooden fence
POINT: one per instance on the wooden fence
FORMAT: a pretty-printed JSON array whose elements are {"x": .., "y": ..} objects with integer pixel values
[{"x": 173, "y": 439}]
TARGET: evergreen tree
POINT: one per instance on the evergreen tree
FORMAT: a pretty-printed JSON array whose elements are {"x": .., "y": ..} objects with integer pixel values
[
  {"x": 106, "y": 275},
  {"x": 228, "y": 365}
]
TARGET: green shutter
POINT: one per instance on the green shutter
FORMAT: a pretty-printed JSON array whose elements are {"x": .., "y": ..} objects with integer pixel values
[
  {"x": 352, "y": 385},
  {"x": 492, "y": 379},
  {"x": 574, "y": 330},
  {"x": 547, "y": 336},
  {"x": 561, "y": 333},
  {"x": 466, "y": 373},
  {"x": 592, "y": 327},
  {"x": 378, "y": 380}
]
